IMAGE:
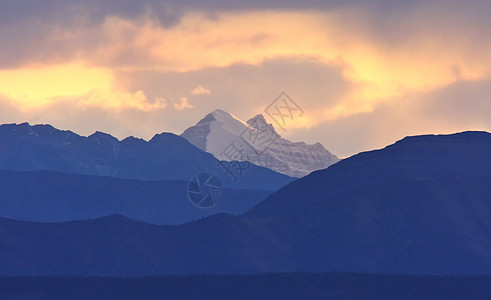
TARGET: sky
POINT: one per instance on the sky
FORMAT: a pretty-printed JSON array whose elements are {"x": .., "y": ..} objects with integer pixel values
[{"x": 365, "y": 73}]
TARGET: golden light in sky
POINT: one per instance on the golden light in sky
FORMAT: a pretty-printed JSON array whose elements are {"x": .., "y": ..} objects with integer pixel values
[
  {"x": 384, "y": 61},
  {"x": 37, "y": 86}
]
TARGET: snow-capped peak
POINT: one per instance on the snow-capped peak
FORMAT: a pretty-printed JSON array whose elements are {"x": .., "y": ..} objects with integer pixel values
[
  {"x": 225, "y": 117},
  {"x": 259, "y": 122},
  {"x": 228, "y": 121},
  {"x": 219, "y": 129}
]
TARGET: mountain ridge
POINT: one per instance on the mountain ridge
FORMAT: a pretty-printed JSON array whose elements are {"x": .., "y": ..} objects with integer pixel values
[
  {"x": 396, "y": 222},
  {"x": 166, "y": 156},
  {"x": 50, "y": 196},
  {"x": 258, "y": 142}
]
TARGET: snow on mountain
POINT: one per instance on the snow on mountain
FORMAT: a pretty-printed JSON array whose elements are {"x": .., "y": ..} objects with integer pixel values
[
  {"x": 165, "y": 157},
  {"x": 229, "y": 138}
]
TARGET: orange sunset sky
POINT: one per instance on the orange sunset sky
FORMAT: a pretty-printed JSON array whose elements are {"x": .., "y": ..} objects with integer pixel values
[{"x": 366, "y": 73}]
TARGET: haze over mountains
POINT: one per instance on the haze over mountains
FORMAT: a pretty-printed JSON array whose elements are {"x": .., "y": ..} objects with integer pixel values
[
  {"x": 419, "y": 206},
  {"x": 165, "y": 157},
  {"x": 49, "y": 196},
  {"x": 259, "y": 143}
]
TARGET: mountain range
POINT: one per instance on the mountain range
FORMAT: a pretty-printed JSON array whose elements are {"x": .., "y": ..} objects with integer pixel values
[
  {"x": 49, "y": 196},
  {"x": 165, "y": 157},
  {"x": 229, "y": 138},
  {"x": 419, "y": 206}
]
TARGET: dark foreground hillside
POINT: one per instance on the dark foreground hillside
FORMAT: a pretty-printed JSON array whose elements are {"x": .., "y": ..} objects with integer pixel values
[
  {"x": 264, "y": 286},
  {"x": 419, "y": 207}
]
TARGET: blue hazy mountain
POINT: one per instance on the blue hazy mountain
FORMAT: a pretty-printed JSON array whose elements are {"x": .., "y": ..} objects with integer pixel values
[
  {"x": 48, "y": 196},
  {"x": 419, "y": 206},
  {"x": 165, "y": 157}
]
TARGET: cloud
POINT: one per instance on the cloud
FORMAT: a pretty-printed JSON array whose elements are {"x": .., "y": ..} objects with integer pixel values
[
  {"x": 246, "y": 90},
  {"x": 167, "y": 11},
  {"x": 117, "y": 100},
  {"x": 36, "y": 87},
  {"x": 380, "y": 67},
  {"x": 359, "y": 69},
  {"x": 184, "y": 104},
  {"x": 85, "y": 120},
  {"x": 200, "y": 90},
  {"x": 460, "y": 106}
]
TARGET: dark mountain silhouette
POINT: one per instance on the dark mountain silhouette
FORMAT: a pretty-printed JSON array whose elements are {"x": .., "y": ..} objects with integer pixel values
[
  {"x": 48, "y": 196},
  {"x": 165, "y": 157},
  {"x": 460, "y": 156},
  {"x": 420, "y": 206}
]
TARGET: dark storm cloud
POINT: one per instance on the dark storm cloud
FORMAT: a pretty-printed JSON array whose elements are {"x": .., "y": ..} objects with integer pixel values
[
  {"x": 383, "y": 19},
  {"x": 64, "y": 10},
  {"x": 169, "y": 10},
  {"x": 30, "y": 30},
  {"x": 13, "y": 11}
]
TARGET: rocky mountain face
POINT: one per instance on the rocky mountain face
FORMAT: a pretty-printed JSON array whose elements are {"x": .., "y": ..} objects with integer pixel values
[{"x": 228, "y": 138}]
